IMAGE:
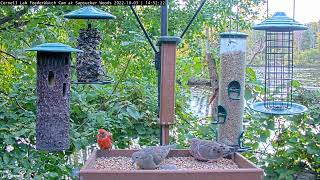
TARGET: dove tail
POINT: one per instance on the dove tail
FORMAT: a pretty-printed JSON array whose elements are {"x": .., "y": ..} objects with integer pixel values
[{"x": 172, "y": 146}]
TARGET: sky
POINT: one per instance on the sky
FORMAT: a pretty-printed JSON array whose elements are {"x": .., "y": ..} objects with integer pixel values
[{"x": 306, "y": 10}]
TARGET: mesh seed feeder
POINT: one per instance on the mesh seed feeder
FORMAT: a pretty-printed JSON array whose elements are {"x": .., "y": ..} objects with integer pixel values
[
  {"x": 89, "y": 67},
  {"x": 279, "y": 66},
  {"x": 53, "y": 96}
]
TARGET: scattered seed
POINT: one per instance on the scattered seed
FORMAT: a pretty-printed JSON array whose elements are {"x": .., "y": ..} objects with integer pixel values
[{"x": 182, "y": 163}]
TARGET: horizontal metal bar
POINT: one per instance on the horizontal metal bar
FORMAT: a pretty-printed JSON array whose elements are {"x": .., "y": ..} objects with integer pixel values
[{"x": 192, "y": 19}]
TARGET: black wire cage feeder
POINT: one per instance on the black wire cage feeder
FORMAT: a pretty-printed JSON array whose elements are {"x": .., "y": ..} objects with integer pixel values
[{"x": 279, "y": 55}]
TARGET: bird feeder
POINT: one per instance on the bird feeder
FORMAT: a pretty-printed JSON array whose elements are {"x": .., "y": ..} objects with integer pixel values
[
  {"x": 231, "y": 87},
  {"x": 168, "y": 48},
  {"x": 279, "y": 30},
  {"x": 89, "y": 67},
  {"x": 53, "y": 96}
]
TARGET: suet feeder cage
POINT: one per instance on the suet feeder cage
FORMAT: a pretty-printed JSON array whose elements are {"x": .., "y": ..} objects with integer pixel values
[
  {"x": 89, "y": 67},
  {"x": 279, "y": 54},
  {"x": 231, "y": 87},
  {"x": 53, "y": 96}
]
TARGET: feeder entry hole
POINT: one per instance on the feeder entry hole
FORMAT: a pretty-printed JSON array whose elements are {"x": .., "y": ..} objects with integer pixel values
[
  {"x": 234, "y": 90},
  {"x": 222, "y": 115},
  {"x": 51, "y": 78},
  {"x": 64, "y": 89}
]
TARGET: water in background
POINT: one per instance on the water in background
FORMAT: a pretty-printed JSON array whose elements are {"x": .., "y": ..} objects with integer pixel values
[
  {"x": 309, "y": 77},
  {"x": 199, "y": 102}
]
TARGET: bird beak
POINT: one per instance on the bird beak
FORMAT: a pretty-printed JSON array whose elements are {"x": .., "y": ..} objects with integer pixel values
[{"x": 132, "y": 163}]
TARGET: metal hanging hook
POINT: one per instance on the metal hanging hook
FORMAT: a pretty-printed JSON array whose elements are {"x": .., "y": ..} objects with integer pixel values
[
  {"x": 267, "y": 8},
  {"x": 294, "y": 9}
]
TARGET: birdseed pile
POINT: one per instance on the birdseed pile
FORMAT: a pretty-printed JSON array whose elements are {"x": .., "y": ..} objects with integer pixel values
[
  {"x": 89, "y": 67},
  {"x": 182, "y": 163},
  {"x": 232, "y": 69}
]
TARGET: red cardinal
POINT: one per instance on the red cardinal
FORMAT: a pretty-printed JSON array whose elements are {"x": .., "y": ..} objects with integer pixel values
[{"x": 104, "y": 139}]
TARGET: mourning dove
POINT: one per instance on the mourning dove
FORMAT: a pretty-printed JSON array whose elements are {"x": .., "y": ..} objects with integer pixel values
[
  {"x": 150, "y": 158},
  {"x": 210, "y": 151}
]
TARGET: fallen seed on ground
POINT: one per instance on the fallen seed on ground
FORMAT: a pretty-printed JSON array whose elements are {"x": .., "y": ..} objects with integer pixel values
[{"x": 182, "y": 163}]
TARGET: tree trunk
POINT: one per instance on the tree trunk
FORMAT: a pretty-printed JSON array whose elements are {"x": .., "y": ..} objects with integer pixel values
[{"x": 213, "y": 75}]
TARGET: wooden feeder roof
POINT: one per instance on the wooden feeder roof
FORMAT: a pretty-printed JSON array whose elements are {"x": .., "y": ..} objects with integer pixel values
[
  {"x": 280, "y": 22},
  {"x": 89, "y": 12},
  {"x": 53, "y": 47}
]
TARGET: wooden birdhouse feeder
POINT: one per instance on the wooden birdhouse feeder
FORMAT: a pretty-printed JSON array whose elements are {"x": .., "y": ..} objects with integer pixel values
[
  {"x": 53, "y": 96},
  {"x": 89, "y": 62},
  {"x": 231, "y": 87}
]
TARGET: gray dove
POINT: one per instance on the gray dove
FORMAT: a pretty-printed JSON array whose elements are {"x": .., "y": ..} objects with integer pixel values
[
  {"x": 211, "y": 151},
  {"x": 151, "y": 157}
]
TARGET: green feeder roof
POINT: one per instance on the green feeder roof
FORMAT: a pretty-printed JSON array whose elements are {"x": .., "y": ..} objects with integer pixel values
[
  {"x": 53, "y": 47},
  {"x": 89, "y": 12},
  {"x": 233, "y": 34},
  {"x": 280, "y": 22}
]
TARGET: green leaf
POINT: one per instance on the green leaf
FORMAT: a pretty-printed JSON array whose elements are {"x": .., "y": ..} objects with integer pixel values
[
  {"x": 312, "y": 150},
  {"x": 296, "y": 83},
  {"x": 133, "y": 112},
  {"x": 6, "y": 158}
]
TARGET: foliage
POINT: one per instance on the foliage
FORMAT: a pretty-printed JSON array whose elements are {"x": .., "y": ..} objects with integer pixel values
[
  {"x": 128, "y": 108},
  {"x": 306, "y": 46},
  {"x": 285, "y": 146}
]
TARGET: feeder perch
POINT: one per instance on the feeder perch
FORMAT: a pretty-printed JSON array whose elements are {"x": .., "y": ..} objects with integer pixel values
[
  {"x": 89, "y": 66},
  {"x": 53, "y": 96},
  {"x": 222, "y": 115},
  {"x": 241, "y": 147},
  {"x": 231, "y": 86},
  {"x": 279, "y": 30}
]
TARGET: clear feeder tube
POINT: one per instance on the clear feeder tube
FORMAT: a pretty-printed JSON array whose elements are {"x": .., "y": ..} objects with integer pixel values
[{"x": 231, "y": 86}]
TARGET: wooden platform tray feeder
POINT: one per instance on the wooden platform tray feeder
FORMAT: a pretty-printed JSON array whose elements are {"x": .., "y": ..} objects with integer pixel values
[
  {"x": 246, "y": 170},
  {"x": 53, "y": 96},
  {"x": 89, "y": 63}
]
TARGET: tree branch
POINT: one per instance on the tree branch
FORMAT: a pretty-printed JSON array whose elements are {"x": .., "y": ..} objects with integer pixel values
[
  {"x": 14, "y": 57},
  {"x": 17, "y": 15},
  {"x": 15, "y": 99},
  {"x": 259, "y": 50}
]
